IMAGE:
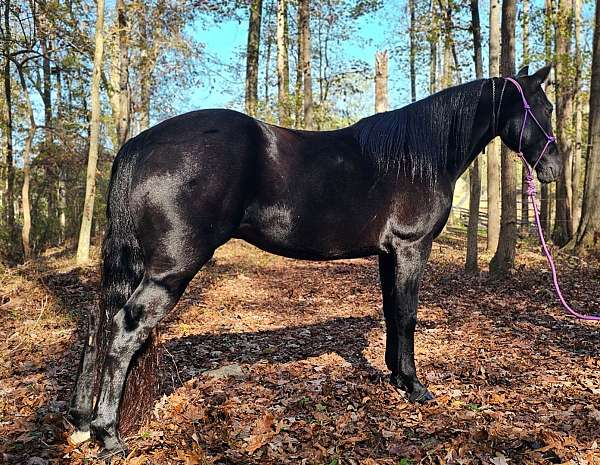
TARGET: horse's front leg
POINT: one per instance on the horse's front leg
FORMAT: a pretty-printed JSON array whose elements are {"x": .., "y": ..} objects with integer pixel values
[{"x": 400, "y": 273}]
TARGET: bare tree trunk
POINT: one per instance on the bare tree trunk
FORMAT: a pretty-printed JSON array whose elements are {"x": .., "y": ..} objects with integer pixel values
[
  {"x": 306, "y": 52},
  {"x": 146, "y": 79},
  {"x": 298, "y": 83},
  {"x": 504, "y": 259},
  {"x": 283, "y": 66},
  {"x": 545, "y": 191},
  {"x": 446, "y": 11},
  {"x": 413, "y": 51},
  {"x": 471, "y": 264},
  {"x": 564, "y": 114},
  {"x": 83, "y": 246},
  {"x": 575, "y": 206},
  {"x": 10, "y": 169},
  {"x": 524, "y": 195},
  {"x": 588, "y": 233},
  {"x": 381, "y": 82},
  {"x": 61, "y": 193},
  {"x": 124, "y": 121},
  {"x": 25, "y": 201},
  {"x": 269, "y": 43},
  {"x": 433, "y": 42},
  {"x": 493, "y": 152},
  {"x": 252, "y": 57}
]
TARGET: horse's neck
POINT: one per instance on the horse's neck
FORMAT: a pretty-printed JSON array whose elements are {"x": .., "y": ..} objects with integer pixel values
[{"x": 482, "y": 134}]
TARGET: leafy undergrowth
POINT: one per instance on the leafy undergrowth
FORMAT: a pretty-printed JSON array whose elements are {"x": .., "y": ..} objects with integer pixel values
[{"x": 516, "y": 380}]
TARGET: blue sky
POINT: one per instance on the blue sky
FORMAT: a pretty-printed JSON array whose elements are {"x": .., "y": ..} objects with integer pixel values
[
  {"x": 387, "y": 28},
  {"x": 227, "y": 42}
]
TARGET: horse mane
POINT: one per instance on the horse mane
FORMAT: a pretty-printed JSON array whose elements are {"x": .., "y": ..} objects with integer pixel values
[{"x": 422, "y": 138}]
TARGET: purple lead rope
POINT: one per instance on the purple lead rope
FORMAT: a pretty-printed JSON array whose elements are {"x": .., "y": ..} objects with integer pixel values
[{"x": 531, "y": 191}]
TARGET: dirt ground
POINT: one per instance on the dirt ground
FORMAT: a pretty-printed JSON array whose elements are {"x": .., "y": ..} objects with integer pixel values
[{"x": 516, "y": 381}]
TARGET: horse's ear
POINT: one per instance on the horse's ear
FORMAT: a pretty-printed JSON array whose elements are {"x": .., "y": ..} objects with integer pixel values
[
  {"x": 542, "y": 74},
  {"x": 524, "y": 71}
]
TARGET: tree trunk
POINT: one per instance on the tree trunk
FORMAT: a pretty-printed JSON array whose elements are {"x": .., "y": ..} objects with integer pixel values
[
  {"x": 83, "y": 246},
  {"x": 433, "y": 42},
  {"x": 412, "y": 52},
  {"x": 124, "y": 121},
  {"x": 504, "y": 259},
  {"x": 471, "y": 264},
  {"x": 564, "y": 114},
  {"x": 305, "y": 54},
  {"x": 146, "y": 78},
  {"x": 446, "y": 11},
  {"x": 25, "y": 203},
  {"x": 10, "y": 169},
  {"x": 524, "y": 195},
  {"x": 381, "y": 82},
  {"x": 545, "y": 191},
  {"x": 493, "y": 152},
  {"x": 252, "y": 57},
  {"x": 588, "y": 233},
  {"x": 575, "y": 206},
  {"x": 283, "y": 66}
]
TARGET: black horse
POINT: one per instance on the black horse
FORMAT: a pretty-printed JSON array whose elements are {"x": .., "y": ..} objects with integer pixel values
[{"x": 380, "y": 187}]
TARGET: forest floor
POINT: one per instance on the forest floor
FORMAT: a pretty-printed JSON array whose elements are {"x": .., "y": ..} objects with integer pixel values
[{"x": 516, "y": 380}]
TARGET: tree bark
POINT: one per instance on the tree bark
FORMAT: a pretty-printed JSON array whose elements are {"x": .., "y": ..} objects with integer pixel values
[
  {"x": 124, "y": 119},
  {"x": 412, "y": 52},
  {"x": 471, "y": 264},
  {"x": 146, "y": 78},
  {"x": 588, "y": 232},
  {"x": 433, "y": 42},
  {"x": 283, "y": 66},
  {"x": 446, "y": 11},
  {"x": 504, "y": 259},
  {"x": 381, "y": 82},
  {"x": 545, "y": 190},
  {"x": 252, "y": 53},
  {"x": 25, "y": 201},
  {"x": 306, "y": 52},
  {"x": 83, "y": 246},
  {"x": 10, "y": 169},
  {"x": 493, "y": 152},
  {"x": 575, "y": 206},
  {"x": 564, "y": 114},
  {"x": 524, "y": 195}
]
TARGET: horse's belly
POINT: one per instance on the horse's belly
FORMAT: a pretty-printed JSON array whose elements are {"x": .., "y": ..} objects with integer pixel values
[{"x": 311, "y": 236}]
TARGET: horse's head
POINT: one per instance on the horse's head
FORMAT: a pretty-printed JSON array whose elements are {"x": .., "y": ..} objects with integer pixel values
[{"x": 534, "y": 135}]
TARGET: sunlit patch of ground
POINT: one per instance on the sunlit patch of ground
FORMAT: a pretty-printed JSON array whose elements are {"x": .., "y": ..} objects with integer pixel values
[{"x": 516, "y": 380}]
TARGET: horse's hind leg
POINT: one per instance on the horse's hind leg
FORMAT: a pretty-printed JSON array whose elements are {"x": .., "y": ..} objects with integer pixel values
[
  {"x": 400, "y": 273},
  {"x": 156, "y": 295},
  {"x": 81, "y": 405}
]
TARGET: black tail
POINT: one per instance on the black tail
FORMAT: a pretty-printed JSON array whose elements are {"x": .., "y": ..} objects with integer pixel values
[{"x": 122, "y": 271}]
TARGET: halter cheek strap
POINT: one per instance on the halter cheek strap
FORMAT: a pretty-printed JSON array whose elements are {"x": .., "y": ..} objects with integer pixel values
[{"x": 531, "y": 191}]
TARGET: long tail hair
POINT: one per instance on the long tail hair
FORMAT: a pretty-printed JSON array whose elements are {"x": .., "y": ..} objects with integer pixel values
[{"x": 122, "y": 271}]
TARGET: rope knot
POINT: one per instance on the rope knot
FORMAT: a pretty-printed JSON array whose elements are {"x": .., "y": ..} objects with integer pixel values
[
  {"x": 551, "y": 139},
  {"x": 531, "y": 189}
]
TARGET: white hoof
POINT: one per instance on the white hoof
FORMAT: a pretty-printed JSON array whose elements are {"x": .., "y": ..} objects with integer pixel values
[{"x": 79, "y": 437}]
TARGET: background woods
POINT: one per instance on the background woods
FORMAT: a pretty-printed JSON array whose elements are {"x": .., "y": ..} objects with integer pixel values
[
  {"x": 80, "y": 78},
  {"x": 302, "y": 341}
]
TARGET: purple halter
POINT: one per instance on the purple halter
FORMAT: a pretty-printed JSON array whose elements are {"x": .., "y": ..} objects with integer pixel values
[{"x": 531, "y": 191}]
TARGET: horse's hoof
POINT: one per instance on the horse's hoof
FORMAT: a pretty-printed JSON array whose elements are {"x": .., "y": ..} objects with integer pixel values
[
  {"x": 421, "y": 397},
  {"x": 112, "y": 450},
  {"x": 79, "y": 437},
  {"x": 396, "y": 382}
]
